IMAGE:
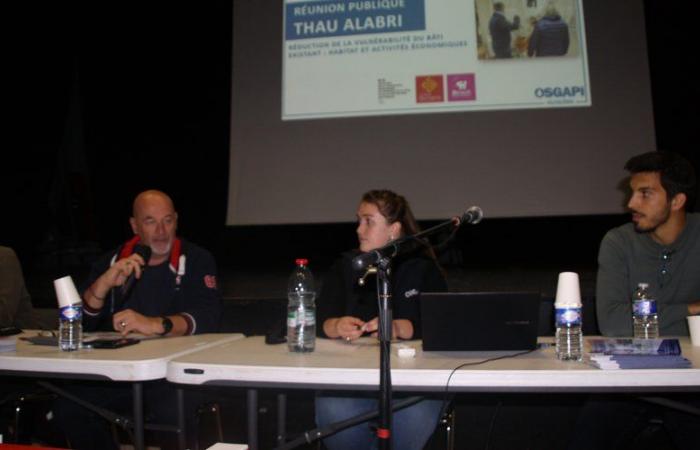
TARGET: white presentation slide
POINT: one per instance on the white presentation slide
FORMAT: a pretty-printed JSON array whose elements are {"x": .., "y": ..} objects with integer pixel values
[{"x": 346, "y": 58}]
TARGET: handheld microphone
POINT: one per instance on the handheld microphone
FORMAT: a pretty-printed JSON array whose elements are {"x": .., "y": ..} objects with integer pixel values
[
  {"x": 145, "y": 252},
  {"x": 410, "y": 243}
]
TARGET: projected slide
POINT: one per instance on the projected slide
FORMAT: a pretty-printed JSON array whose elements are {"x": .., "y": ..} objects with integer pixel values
[{"x": 376, "y": 57}]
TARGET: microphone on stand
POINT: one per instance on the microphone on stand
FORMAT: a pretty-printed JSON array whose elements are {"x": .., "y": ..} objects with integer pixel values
[
  {"x": 410, "y": 243},
  {"x": 145, "y": 252},
  {"x": 472, "y": 216}
]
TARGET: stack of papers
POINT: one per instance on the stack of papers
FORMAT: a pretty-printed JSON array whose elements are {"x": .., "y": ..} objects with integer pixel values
[
  {"x": 8, "y": 344},
  {"x": 637, "y": 354},
  {"x": 611, "y": 346},
  {"x": 608, "y": 362}
]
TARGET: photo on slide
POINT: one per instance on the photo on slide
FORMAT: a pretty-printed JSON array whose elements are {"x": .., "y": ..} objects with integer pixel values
[{"x": 524, "y": 29}]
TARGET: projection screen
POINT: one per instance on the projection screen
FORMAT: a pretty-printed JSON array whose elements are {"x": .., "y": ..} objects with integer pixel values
[{"x": 529, "y": 133}]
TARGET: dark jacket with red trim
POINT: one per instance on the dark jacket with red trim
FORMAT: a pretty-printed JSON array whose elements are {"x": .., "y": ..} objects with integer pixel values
[{"x": 184, "y": 285}]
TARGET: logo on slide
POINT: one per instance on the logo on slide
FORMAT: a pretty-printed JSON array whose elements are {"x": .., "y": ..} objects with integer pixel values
[
  {"x": 461, "y": 87},
  {"x": 560, "y": 91},
  {"x": 429, "y": 89}
]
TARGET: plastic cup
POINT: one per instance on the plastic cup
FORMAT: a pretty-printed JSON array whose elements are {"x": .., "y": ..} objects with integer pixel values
[
  {"x": 694, "y": 327},
  {"x": 66, "y": 293},
  {"x": 568, "y": 290}
]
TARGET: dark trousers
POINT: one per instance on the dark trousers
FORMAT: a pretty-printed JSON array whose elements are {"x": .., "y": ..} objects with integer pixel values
[
  {"x": 617, "y": 422},
  {"x": 87, "y": 430}
]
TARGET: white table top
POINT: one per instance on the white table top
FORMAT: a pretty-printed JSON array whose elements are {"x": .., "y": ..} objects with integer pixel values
[
  {"x": 340, "y": 365},
  {"x": 146, "y": 360}
]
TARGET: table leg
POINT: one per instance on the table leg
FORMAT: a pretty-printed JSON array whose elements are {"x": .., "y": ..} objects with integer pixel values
[
  {"x": 138, "y": 415},
  {"x": 281, "y": 418},
  {"x": 252, "y": 397},
  {"x": 180, "y": 396}
]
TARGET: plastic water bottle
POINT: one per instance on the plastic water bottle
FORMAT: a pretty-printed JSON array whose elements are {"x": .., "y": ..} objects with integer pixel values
[
  {"x": 301, "y": 309},
  {"x": 567, "y": 309},
  {"x": 645, "y": 320},
  {"x": 569, "y": 337},
  {"x": 70, "y": 327}
]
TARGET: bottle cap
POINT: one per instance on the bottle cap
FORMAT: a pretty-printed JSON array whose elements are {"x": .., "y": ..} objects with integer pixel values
[
  {"x": 66, "y": 293},
  {"x": 568, "y": 291},
  {"x": 302, "y": 262}
]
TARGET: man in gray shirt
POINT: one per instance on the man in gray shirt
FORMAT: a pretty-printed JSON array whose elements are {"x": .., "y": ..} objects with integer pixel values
[{"x": 660, "y": 247}]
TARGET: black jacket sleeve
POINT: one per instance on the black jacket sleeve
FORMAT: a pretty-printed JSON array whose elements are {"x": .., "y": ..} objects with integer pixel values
[{"x": 414, "y": 276}]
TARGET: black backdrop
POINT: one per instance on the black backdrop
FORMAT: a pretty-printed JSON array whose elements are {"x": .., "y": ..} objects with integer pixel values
[{"x": 109, "y": 99}]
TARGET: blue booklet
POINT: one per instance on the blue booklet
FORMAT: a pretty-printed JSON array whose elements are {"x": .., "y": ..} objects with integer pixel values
[
  {"x": 608, "y": 362},
  {"x": 628, "y": 346}
]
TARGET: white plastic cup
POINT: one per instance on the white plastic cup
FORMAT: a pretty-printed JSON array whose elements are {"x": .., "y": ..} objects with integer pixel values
[
  {"x": 568, "y": 291},
  {"x": 694, "y": 327},
  {"x": 66, "y": 293}
]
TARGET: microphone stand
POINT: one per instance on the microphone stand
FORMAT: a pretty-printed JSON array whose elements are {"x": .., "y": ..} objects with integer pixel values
[
  {"x": 308, "y": 437},
  {"x": 385, "y": 329},
  {"x": 382, "y": 267},
  {"x": 379, "y": 262}
]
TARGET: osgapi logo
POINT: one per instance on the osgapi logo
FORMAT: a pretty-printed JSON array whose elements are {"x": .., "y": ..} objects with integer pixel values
[{"x": 560, "y": 92}]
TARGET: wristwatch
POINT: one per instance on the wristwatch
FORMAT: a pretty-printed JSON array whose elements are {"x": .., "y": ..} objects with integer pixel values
[{"x": 167, "y": 326}]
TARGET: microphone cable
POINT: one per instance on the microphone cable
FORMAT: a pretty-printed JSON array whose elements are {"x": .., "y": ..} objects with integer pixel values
[{"x": 448, "y": 398}]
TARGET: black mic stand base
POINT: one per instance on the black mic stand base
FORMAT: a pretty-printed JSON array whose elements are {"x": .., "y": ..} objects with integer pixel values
[{"x": 311, "y": 436}]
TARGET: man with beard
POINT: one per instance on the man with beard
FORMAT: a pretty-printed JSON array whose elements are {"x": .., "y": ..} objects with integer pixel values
[
  {"x": 176, "y": 293},
  {"x": 155, "y": 284},
  {"x": 661, "y": 247}
]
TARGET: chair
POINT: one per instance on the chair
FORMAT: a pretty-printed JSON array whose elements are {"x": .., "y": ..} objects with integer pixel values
[
  {"x": 24, "y": 411},
  {"x": 446, "y": 425},
  {"x": 212, "y": 409},
  {"x": 196, "y": 440}
]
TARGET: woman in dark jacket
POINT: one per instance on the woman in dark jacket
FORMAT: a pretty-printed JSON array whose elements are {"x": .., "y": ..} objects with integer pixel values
[{"x": 348, "y": 311}]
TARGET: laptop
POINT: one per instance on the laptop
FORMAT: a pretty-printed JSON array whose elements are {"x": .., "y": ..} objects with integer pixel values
[{"x": 479, "y": 321}]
